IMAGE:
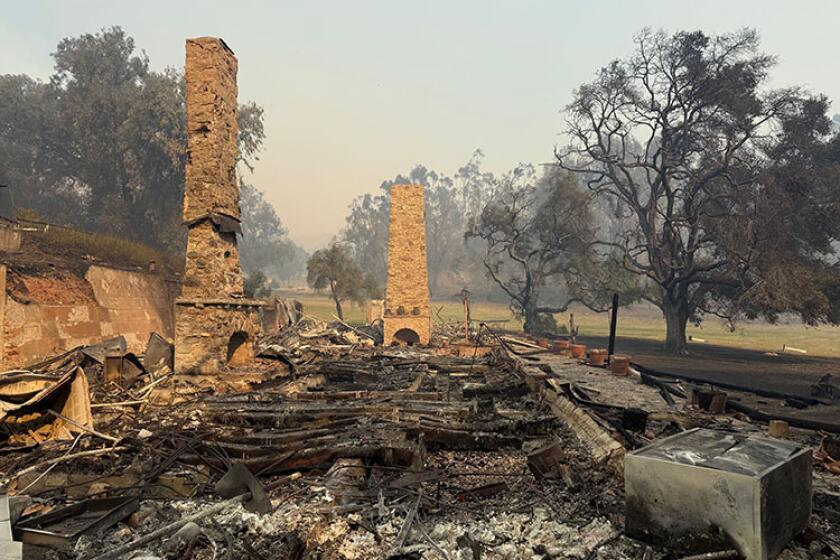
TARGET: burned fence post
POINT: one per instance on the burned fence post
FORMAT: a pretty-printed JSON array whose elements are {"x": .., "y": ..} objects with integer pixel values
[{"x": 613, "y": 327}]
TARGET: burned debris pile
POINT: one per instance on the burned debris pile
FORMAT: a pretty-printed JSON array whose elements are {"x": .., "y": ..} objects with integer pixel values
[
  {"x": 388, "y": 444},
  {"x": 301, "y": 341},
  {"x": 349, "y": 450}
]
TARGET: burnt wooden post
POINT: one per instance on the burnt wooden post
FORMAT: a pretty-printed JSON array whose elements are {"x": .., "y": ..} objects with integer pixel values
[
  {"x": 465, "y": 294},
  {"x": 613, "y": 325}
]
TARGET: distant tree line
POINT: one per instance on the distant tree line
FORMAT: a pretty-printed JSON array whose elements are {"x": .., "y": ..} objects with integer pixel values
[
  {"x": 523, "y": 236},
  {"x": 101, "y": 146},
  {"x": 686, "y": 182}
]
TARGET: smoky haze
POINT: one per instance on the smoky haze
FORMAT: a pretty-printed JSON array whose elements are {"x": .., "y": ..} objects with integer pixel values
[{"x": 356, "y": 93}]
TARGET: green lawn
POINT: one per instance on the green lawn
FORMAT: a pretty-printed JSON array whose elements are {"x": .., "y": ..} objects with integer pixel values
[
  {"x": 636, "y": 322},
  {"x": 647, "y": 323}
]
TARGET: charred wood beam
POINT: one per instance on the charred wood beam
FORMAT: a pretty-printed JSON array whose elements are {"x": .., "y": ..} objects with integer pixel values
[
  {"x": 316, "y": 458},
  {"x": 463, "y": 439}
]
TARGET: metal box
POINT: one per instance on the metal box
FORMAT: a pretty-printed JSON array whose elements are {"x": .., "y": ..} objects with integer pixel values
[{"x": 755, "y": 490}]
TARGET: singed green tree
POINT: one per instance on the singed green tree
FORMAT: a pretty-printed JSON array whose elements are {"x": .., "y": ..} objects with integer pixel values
[
  {"x": 102, "y": 144},
  {"x": 334, "y": 269}
]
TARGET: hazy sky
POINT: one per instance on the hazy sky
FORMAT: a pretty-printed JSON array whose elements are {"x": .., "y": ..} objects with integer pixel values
[{"x": 358, "y": 91}]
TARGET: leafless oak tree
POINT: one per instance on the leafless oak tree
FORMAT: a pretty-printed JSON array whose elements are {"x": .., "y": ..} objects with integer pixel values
[
  {"x": 535, "y": 232},
  {"x": 677, "y": 136}
]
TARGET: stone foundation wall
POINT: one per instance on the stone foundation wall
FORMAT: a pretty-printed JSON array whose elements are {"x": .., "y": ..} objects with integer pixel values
[
  {"x": 407, "y": 292},
  {"x": 111, "y": 302}
]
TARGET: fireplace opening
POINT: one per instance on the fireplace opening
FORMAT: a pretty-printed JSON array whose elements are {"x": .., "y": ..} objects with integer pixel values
[
  {"x": 238, "y": 349},
  {"x": 406, "y": 337}
]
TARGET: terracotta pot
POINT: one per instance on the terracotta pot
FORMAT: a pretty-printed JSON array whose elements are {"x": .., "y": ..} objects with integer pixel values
[
  {"x": 578, "y": 351},
  {"x": 544, "y": 342},
  {"x": 620, "y": 365},
  {"x": 778, "y": 429},
  {"x": 709, "y": 400},
  {"x": 562, "y": 347},
  {"x": 598, "y": 357}
]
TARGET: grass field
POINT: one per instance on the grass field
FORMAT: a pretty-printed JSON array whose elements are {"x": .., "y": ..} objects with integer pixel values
[{"x": 644, "y": 322}]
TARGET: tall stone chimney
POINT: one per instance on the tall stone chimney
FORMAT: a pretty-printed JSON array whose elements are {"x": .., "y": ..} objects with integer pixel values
[
  {"x": 407, "y": 312},
  {"x": 214, "y": 325},
  {"x": 211, "y": 192}
]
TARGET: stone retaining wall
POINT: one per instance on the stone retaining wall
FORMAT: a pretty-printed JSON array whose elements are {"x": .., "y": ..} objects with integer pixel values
[{"x": 132, "y": 304}]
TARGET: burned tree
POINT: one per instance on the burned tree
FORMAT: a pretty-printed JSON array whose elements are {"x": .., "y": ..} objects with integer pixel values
[
  {"x": 536, "y": 232},
  {"x": 795, "y": 224},
  {"x": 102, "y": 144},
  {"x": 678, "y": 136}
]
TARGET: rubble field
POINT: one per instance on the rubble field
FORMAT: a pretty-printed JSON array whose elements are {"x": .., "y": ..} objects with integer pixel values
[{"x": 363, "y": 452}]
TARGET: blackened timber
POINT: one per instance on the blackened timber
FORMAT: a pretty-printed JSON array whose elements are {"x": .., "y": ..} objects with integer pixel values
[
  {"x": 319, "y": 457},
  {"x": 458, "y": 440},
  {"x": 317, "y": 409},
  {"x": 273, "y": 396}
]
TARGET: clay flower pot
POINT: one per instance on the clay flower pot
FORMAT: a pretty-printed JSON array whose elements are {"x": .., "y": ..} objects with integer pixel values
[
  {"x": 544, "y": 342},
  {"x": 598, "y": 357},
  {"x": 562, "y": 347},
  {"x": 578, "y": 351},
  {"x": 620, "y": 365}
]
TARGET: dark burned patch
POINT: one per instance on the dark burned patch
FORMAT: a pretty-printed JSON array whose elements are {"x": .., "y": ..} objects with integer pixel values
[
  {"x": 287, "y": 545},
  {"x": 640, "y": 525}
]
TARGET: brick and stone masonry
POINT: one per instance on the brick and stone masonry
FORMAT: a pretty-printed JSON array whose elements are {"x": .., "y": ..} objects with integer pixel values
[
  {"x": 407, "y": 313},
  {"x": 214, "y": 325}
]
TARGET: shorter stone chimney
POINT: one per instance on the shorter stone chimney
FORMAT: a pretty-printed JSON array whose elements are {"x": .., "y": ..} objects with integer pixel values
[{"x": 407, "y": 312}]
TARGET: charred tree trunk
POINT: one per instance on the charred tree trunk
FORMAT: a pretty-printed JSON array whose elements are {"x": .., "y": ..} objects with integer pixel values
[
  {"x": 676, "y": 319},
  {"x": 433, "y": 281},
  {"x": 531, "y": 317}
]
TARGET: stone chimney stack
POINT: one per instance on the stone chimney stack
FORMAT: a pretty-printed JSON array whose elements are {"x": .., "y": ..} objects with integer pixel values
[
  {"x": 407, "y": 312},
  {"x": 211, "y": 191},
  {"x": 214, "y": 325}
]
